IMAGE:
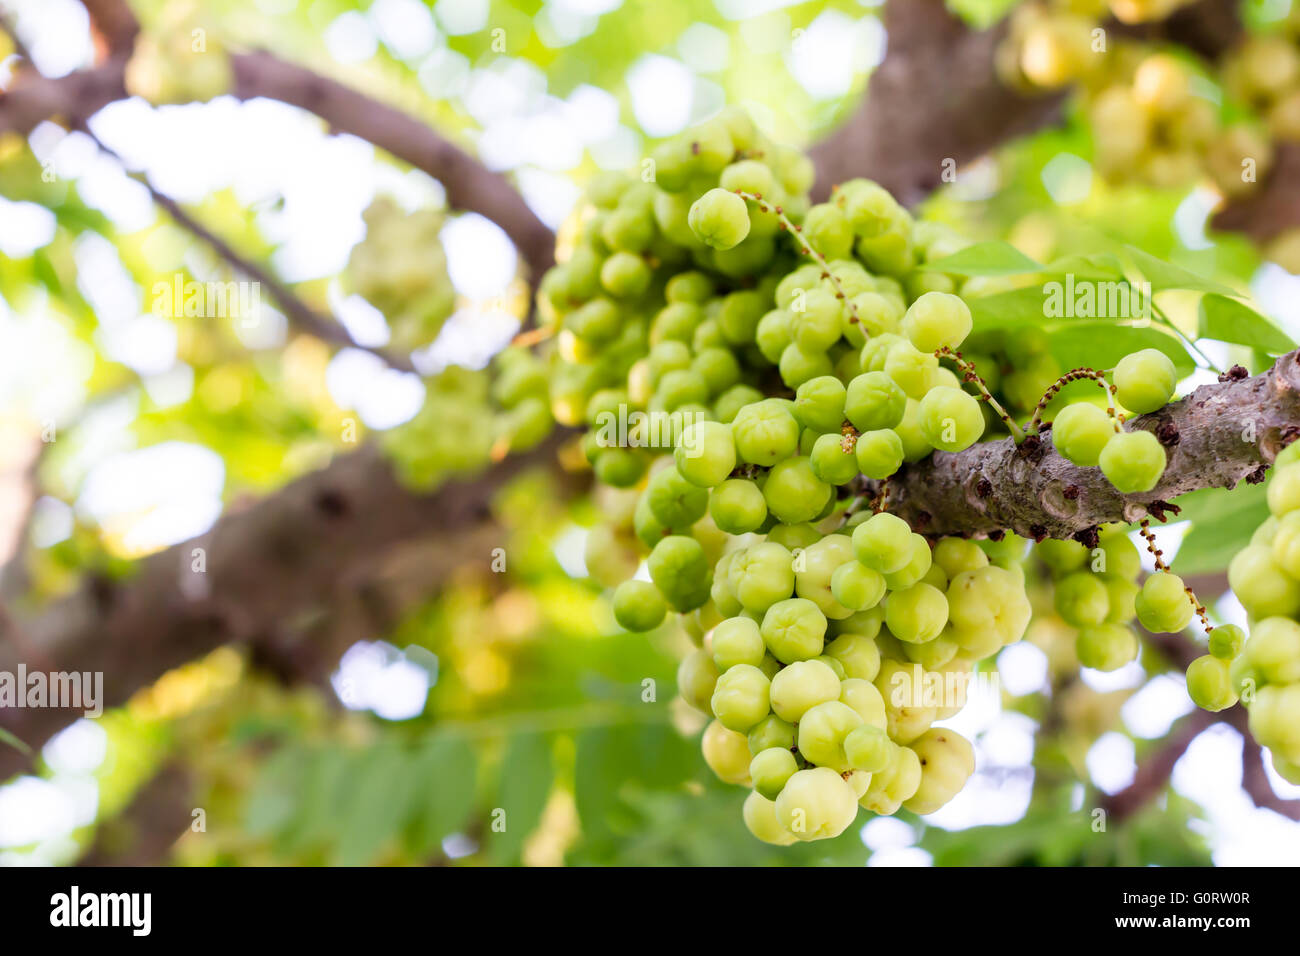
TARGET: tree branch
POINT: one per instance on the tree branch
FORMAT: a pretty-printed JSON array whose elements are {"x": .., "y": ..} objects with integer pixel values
[
  {"x": 469, "y": 184},
  {"x": 284, "y": 556},
  {"x": 911, "y": 120},
  {"x": 1215, "y": 437},
  {"x": 1155, "y": 769}
]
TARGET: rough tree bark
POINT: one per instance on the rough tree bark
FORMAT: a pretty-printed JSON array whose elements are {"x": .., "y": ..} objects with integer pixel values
[{"x": 1219, "y": 435}]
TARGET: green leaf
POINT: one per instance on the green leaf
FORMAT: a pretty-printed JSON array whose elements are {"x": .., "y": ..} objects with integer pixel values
[
  {"x": 526, "y": 777},
  {"x": 1009, "y": 309},
  {"x": 1163, "y": 275},
  {"x": 445, "y": 775},
  {"x": 1088, "y": 344},
  {"x": 1222, "y": 523},
  {"x": 1228, "y": 320},
  {"x": 993, "y": 258},
  {"x": 8, "y": 738},
  {"x": 1101, "y": 266},
  {"x": 377, "y": 804}
]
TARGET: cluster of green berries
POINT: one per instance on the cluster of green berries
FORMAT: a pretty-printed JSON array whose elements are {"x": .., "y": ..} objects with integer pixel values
[
  {"x": 1087, "y": 435},
  {"x": 1095, "y": 591},
  {"x": 835, "y": 655},
  {"x": 401, "y": 269},
  {"x": 748, "y": 368},
  {"x": 1264, "y": 671},
  {"x": 469, "y": 419}
]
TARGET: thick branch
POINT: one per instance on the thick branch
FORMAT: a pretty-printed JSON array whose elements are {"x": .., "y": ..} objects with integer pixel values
[
  {"x": 1155, "y": 769},
  {"x": 934, "y": 97},
  {"x": 1215, "y": 437},
  {"x": 470, "y": 185},
  {"x": 280, "y": 558}
]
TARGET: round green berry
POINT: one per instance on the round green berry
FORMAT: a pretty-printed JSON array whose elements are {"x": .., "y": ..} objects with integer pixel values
[
  {"x": 765, "y": 433},
  {"x": 737, "y": 640},
  {"x": 1133, "y": 461},
  {"x": 706, "y": 453},
  {"x": 794, "y": 630},
  {"x": 802, "y": 686},
  {"x": 819, "y": 404},
  {"x": 883, "y": 543},
  {"x": 770, "y": 769},
  {"x": 936, "y": 320},
  {"x": 793, "y": 492},
  {"x": 740, "y": 697},
  {"x": 1145, "y": 381},
  {"x": 951, "y": 419},
  {"x": 873, "y": 401},
  {"x": 681, "y": 572},
  {"x": 1080, "y": 432},
  {"x": 916, "y": 614},
  {"x": 1163, "y": 606},
  {"x": 830, "y": 462},
  {"x": 879, "y": 453},
  {"x": 1209, "y": 684},
  {"x": 1082, "y": 599},
  {"x": 638, "y": 606},
  {"x": 1226, "y": 641},
  {"x": 719, "y": 219},
  {"x": 1106, "y": 647},
  {"x": 857, "y": 586},
  {"x": 737, "y": 506}
]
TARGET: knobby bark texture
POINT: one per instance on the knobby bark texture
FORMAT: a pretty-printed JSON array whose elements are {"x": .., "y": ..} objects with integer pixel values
[{"x": 1221, "y": 434}]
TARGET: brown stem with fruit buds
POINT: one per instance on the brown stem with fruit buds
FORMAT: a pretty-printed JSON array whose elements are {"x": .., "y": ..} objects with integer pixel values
[{"x": 1219, "y": 435}]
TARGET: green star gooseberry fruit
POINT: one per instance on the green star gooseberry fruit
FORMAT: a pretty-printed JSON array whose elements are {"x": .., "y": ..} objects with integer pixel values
[
  {"x": 719, "y": 218},
  {"x": 1145, "y": 380},
  {"x": 1133, "y": 461},
  {"x": 937, "y": 320},
  {"x": 638, "y": 606},
  {"x": 1081, "y": 431},
  {"x": 951, "y": 419}
]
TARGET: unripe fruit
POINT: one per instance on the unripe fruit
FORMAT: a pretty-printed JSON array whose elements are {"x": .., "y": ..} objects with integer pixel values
[
  {"x": 947, "y": 761},
  {"x": 816, "y": 804},
  {"x": 737, "y": 640},
  {"x": 1106, "y": 647},
  {"x": 638, "y": 606},
  {"x": 1162, "y": 605},
  {"x": 951, "y": 419},
  {"x": 883, "y": 543},
  {"x": 859, "y": 655},
  {"x": 1209, "y": 685},
  {"x": 740, "y": 697},
  {"x": 1080, "y": 432},
  {"x": 1274, "y": 650},
  {"x": 879, "y": 453},
  {"x": 822, "y": 731},
  {"x": 794, "y": 630},
  {"x": 935, "y": 320},
  {"x": 770, "y": 769},
  {"x": 1133, "y": 461},
  {"x": 705, "y": 453},
  {"x": 1145, "y": 380},
  {"x": 1226, "y": 642},
  {"x": 801, "y": 686},
  {"x": 726, "y": 752},
  {"x": 719, "y": 219},
  {"x": 759, "y": 814},
  {"x": 696, "y": 678}
]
